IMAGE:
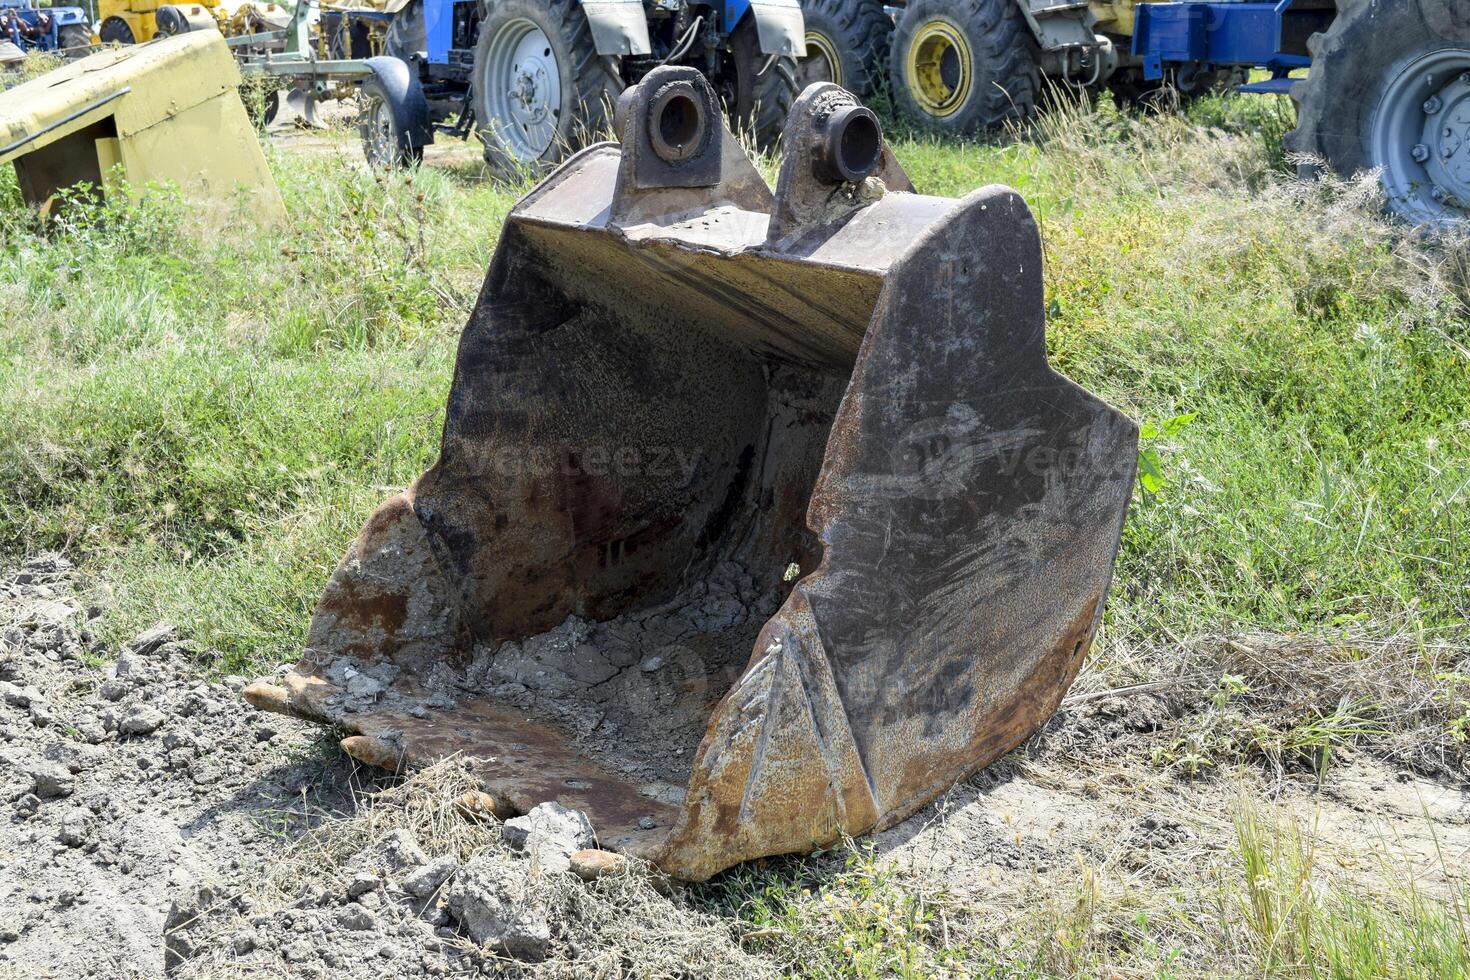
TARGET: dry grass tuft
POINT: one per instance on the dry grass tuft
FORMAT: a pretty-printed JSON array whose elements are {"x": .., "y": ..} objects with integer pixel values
[
  {"x": 1292, "y": 702},
  {"x": 620, "y": 926}
]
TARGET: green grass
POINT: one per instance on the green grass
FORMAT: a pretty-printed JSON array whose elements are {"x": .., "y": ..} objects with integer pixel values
[
  {"x": 206, "y": 420},
  {"x": 1296, "y": 921}
]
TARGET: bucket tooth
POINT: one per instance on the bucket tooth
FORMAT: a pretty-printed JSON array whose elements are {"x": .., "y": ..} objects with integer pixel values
[{"x": 759, "y": 518}]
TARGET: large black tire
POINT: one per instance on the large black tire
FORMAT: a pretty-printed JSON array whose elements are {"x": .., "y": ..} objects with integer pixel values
[
  {"x": 406, "y": 32},
  {"x": 74, "y": 39},
  {"x": 588, "y": 87},
  {"x": 170, "y": 20},
  {"x": 757, "y": 88},
  {"x": 1365, "y": 105},
  {"x": 959, "y": 67},
  {"x": 115, "y": 30},
  {"x": 847, "y": 43}
]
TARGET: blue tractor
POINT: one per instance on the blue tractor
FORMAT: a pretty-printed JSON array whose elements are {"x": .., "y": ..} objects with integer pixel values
[
  {"x": 1386, "y": 85},
  {"x": 538, "y": 79},
  {"x": 31, "y": 28},
  {"x": 1379, "y": 85}
]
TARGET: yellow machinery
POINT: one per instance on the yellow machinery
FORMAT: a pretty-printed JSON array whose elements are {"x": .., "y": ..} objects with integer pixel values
[
  {"x": 136, "y": 21},
  {"x": 168, "y": 111}
]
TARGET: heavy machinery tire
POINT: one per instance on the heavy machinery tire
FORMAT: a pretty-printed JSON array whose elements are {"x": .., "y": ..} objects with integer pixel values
[
  {"x": 406, "y": 32},
  {"x": 757, "y": 88},
  {"x": 115, "y": 30},
  {"x": 391, "y": 117},
  {"x": 846, "y": 43},
  {"x": 1389, "y": 90},
  {"x": 959, "y": 67},
  {"x": 74, "y": 38},
  {"x": 539, "y": 90}
]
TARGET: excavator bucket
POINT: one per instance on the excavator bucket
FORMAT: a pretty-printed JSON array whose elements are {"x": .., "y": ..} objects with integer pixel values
[{"x": 759, "y": 518}]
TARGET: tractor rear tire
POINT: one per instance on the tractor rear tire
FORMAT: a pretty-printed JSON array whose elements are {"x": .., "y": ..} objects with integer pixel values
[
  {"x": 540, "y": 91},
  {"x": 74, "y": 38},
  {"x": 115, "y": 30},
  {"x": 406, "y": 33},
  {"x": 758, "y": 88},
  {"x": 846, "y": 43},
  {"x": 1389, "y": 90},
  {"x": 960, "y": 67}
]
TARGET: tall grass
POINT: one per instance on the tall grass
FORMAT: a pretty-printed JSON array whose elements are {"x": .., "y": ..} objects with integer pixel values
[
  {"x": 1265, "y": 903},
  {"x": 1297, "y": 921}
]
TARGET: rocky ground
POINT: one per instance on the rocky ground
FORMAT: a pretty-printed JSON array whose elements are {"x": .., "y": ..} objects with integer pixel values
[
  {"x": 126, "y": 779},
  {"x": 151, "y": 824},
  {"x": 154, "y": 823}
]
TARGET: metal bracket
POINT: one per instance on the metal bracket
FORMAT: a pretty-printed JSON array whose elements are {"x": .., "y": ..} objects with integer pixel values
[{"x": 836, "y": 162}]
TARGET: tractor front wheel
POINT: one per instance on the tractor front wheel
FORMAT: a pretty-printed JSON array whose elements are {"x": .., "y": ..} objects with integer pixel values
[
  {"x": 960, "y": 67},
  {"x": 539, "y": 89},
  {"x": 1389, "y": 91},
  {"x": 384, "y": 142},
  {"x": 392, "y": 116},
  {"x": 115, "y": 30}
]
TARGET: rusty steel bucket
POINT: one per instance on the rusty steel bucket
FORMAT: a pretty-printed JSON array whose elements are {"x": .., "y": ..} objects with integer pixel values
[{"x": 759, "y": 519}]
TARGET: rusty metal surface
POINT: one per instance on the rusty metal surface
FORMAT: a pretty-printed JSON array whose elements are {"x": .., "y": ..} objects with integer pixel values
[{"x": 671, "y": 371}]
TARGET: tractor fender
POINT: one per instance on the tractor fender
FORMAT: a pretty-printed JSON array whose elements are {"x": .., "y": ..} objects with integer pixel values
[
  {"x": 619, "y": 27},
  {"x": 62, "y": 16},
  {"x": 779, "y": 27},
  {"x": 405, "y": 97}
]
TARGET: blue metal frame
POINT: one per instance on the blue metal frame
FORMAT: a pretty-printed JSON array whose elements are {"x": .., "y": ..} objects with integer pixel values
[
  {"x": 1216, "y": 34},
  {"x": 733, "y": 11},
  {"x": 439, "y": 22},
  {"x": 439, "y": 29}
]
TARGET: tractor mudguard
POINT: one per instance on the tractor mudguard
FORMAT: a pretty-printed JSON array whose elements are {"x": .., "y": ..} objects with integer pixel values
[
  {"x": 779, "y": 27},
  {"x": 405, "y": 98},
  {"x": 759, "y": 518},
  {"x": 63, "y": 16},
  {"x": 619, "y": 27}
]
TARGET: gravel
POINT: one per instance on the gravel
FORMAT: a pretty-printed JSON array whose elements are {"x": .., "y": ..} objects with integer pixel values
[
  {"x": 125, "y": 777},
  {"x": 152, "y": 824}
]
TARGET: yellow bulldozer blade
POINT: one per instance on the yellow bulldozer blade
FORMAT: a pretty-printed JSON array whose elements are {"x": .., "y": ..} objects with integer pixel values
[
  {"x": 165, "y": 112},
  {"x": 759, "y": 518}
]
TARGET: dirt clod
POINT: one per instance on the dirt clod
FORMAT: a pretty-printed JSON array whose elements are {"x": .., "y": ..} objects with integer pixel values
[
  {"x": 590, "y": 864},
  {"x": 504, "y": 907},
  {"x": 550, "y": 834}
]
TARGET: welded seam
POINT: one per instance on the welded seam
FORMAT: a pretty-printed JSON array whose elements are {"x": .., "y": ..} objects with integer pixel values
[
  {"x": 758, "y": 754},
  {"x": 841, "y": 705}
]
